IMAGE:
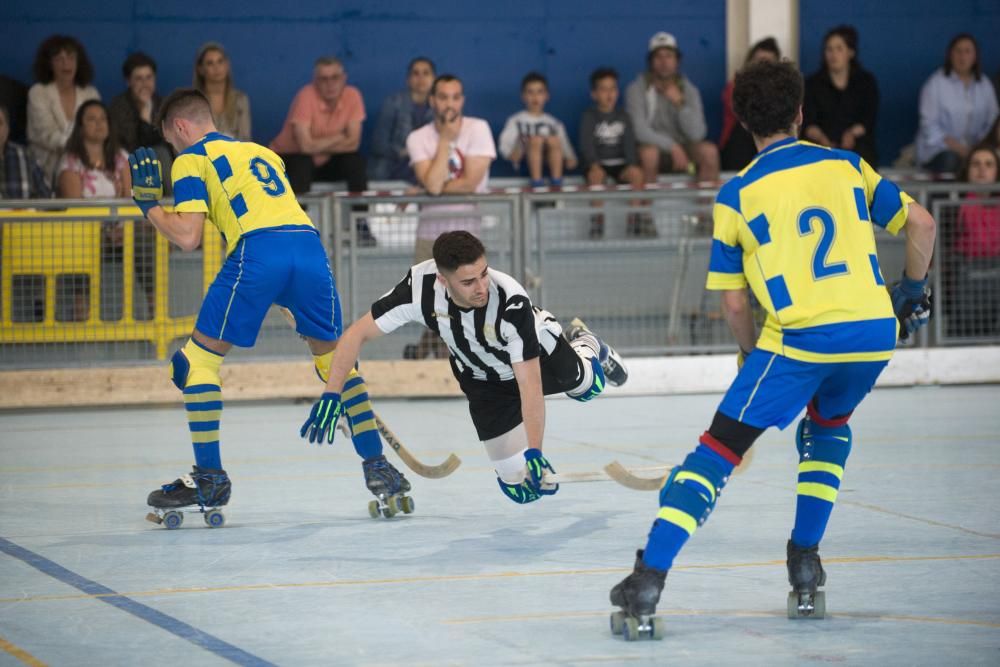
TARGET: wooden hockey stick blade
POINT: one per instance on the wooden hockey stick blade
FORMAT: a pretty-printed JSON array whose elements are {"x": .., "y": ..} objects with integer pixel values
[
  {"x": 444, "y": 469},
  {"x": 624, "y": 476},
  {"x": 598, "y": 475}
]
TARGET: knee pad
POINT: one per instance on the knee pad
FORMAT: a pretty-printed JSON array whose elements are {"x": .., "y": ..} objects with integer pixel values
[
  {"x": 195, "y": 364},
  {"x": 593, "y": 381},
  {"x": 827, "y": 444},
  {"x": 322, "y": 362},
  {"x": 689, "y": 495}
]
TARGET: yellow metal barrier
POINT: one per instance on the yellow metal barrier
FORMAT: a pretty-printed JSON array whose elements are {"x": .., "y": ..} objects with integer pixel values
[{"x": 58, "y": 245}]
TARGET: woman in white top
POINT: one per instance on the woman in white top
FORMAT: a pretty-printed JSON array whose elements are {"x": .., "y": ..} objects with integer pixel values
[
  {"x": 64, "y": 73},
  {"x": 214, "y": 77}
]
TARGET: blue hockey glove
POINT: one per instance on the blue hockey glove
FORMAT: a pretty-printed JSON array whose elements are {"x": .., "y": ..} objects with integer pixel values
[
  {"x": 911, "y": 301},
  {"x": 322, "y": 422},
  {"x": 537, "y": 465},
  {"x": 147, "y": 179},
  {"x": 522, "y": 493}
]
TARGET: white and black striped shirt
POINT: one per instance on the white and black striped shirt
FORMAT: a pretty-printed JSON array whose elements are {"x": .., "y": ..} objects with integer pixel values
[{"x": 483, "y": 341}]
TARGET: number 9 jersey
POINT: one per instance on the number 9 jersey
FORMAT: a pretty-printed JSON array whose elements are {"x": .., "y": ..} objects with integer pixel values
[
  {"x": 241, "y": 186},
  {"x": 797, "y": 226}
]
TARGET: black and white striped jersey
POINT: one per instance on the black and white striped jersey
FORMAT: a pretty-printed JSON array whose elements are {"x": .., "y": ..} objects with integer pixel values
[{"x": 483, "y": 341}]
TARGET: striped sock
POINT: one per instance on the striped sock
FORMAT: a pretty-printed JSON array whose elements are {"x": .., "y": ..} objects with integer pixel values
[
  {"x": 823, "y": 455},
  {"x": 203, "y": 403},
  {"x": 360, "y": 417}
]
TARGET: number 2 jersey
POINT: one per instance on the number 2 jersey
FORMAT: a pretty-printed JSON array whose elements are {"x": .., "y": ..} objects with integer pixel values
[
  {"x": 797, "y": 226},
  {"x": 241, "y": 186}
]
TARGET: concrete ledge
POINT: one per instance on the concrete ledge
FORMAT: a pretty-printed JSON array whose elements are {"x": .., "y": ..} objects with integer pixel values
[{"x": 414, "y": 379}]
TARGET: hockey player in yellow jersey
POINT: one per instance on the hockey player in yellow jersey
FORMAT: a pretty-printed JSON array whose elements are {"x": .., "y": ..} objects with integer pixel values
[
  {"x": 274, "y": 256},
  {"x": 796, "y": 226}
]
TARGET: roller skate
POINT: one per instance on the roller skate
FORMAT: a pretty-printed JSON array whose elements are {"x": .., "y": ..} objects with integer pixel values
[
  {"x": 611, "y": 361},
  {"x": 805, "y": 574},
  {"x": 203, "y": 491},
  {"x": 637, "y": 595},
  {"x": 389, "y": 487}
]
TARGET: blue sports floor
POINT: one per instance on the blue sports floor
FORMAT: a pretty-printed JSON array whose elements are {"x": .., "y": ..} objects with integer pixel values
[{"x": 301, "y": 575}]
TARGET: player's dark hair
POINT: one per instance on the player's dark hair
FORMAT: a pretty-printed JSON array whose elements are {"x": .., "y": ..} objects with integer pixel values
[
  {"x": 455, "y": 249},
  {"x": 767, "y": 97},
  {"x": 977, "y": 68},
  {"x": 444, "y": 78},
  {"x": 850, "y": 36},
  {"x": 75, "y": 144},
  {"x": 602, "y": 73},
  {"x": 534, "y": 77},
  {"x": 188, "y": 103},
  {"x": 135, "y": 61},
  {"x": 769, "y": 45},
  {"x": 421, "y": 59},
  {"x": 55, "y": 45}
]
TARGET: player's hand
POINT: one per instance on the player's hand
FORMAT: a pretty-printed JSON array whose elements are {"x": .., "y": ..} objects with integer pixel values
[
  {"x": 322, "y": 422},
  {"x": 147, "y": 179},
  {"x": 911, "y": 301},
  {"x": 537, "y": 466}
]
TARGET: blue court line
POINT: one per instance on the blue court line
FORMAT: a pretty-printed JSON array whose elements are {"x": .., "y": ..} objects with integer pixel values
[{"x": 157, "y": 618}]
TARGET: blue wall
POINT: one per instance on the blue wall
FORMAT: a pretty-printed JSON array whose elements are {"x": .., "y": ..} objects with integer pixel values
[
  {"x": 491, "y": 46},
  {"x": 901, "y": 42}
]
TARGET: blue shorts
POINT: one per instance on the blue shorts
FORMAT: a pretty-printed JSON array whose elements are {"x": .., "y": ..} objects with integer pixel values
[
  {"x": 771, "y": 390},
  {"x": 286, "y": 266}
]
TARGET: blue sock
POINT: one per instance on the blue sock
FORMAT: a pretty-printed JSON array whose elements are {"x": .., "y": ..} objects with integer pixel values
[
  {"x": 685, "y": 502},
  {"x": 556, "y": 182},
  {"x": 537, "y": 182},
  {"x": 823, "y": 453},
  {"x": 361, "y": 417}
]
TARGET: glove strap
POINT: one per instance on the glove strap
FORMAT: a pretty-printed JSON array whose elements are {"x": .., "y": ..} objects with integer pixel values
[{"x": 912, "y": 289}]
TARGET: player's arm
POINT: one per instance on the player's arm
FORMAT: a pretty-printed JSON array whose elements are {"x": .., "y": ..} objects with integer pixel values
[
  {"x": 921, "y": 230},
  {"x": 529, "y": 384},
  {"x": 348, "y": 349},
  {"x": 475, "y": 168},
  {"x": 182, "y": 229},
  {"x": 736, "y": 309}
]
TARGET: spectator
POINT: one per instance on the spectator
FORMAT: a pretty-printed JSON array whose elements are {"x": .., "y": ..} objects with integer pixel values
[
  {"x": 322, "y": 133},
  {"x": 736, "y": 146},
  {"x": 452, "y": 155},
  {"x": 841, "y": 98},
  {"x": 401, "y": 113},
  {"x": 94, "y": 167},
  {"x": 230, "y": 106},
  {"x": 64, "y": 73},
  {"x": 667, "y": 115},
  {"x": 607, "y": 145},
  {"x": 957, "y": 107},
  {"x": 22, "y": 178},
  {"x": 975, "y": 251},
  {"x": 132, "y": 114},
  {"x": 537, "y": 137}
]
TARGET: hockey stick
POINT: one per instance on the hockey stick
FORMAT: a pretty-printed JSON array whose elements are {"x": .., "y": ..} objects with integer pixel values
[
  {"x": 617, "y": 472},
  {"x": 432, "y": 472}
]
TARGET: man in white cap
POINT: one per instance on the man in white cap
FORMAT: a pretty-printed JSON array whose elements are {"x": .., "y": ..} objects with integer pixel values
[{"x": 668, "y": 117}]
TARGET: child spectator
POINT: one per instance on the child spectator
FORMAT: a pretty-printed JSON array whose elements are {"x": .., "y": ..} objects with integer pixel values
[{"x": 537, "y": 137}]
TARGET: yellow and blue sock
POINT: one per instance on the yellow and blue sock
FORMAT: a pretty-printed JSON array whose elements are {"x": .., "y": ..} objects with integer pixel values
[
  {"x": 686, "y": 500},
  {"x": 824, "y": 446},
  {"x": 195, "y": 371},
  {"x": 360, "y": 417}
]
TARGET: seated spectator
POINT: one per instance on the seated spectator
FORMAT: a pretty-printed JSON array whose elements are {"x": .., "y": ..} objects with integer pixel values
[
  {"x": 22, "y": 177},
  {"x": 230, "y": 106},
  {"x": 957, "y": 107},
  {"x": 736, "y": 146},
  {"x": 94, "y": 166},
  {"x": 667, "y": 114},
  {"x": 975, "y": 252},
  {"x": 841, "y": 98},
  {"x": 607, "y": 145},
  {"x": 132, "y": 114},
  {"x": 401, "y": 113},
  {"x": 536, "y": 137},
  {"x": 452, "y": 155},
  {"x": 64, "y": 73},
  {"x": 321, "y": 135}
]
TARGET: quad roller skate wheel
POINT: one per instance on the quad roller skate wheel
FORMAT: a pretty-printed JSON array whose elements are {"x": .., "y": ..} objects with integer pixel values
[
  {"x": 630, "y": 629},
  {"x": 373, "y": 510},
  {"x": 617, "y": 622},
  {"x": 173, "y": 520},
  {"x": 405, "y": 504},
  {"x": 804, "y": 605},
  {"x": 214, "y": 519},
  {"x": 389, "y": 510}
]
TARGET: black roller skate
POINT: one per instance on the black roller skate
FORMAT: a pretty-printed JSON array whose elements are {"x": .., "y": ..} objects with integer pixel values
[
  {"x": 389, "y": 487},
  {"x": 637, "y": 595},
  {"x": 805, "y": 574},
  {"x": 203, "y": 490},
  {"x": 611, "y": 362}
]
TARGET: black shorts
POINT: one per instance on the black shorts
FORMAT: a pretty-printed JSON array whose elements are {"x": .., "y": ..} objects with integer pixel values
[{"x": 495, "y": 406}]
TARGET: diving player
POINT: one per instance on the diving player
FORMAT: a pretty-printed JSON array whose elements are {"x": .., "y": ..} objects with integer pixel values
[
  {"x": 274, "y": 255},
  {"x": 797, "y": 226},
  {"x": 505, "y": 354}
]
